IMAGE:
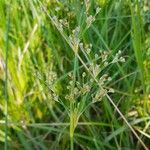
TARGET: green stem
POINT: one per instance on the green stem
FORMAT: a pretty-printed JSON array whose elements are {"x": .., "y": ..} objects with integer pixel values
[
  {"x": 71, "y": 143},
  {"x": 71, "y": 126},
  {"x": 6, "y": 82}
]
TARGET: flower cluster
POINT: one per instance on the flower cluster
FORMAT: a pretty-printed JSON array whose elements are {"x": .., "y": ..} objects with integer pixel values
[
  {"x": 118, "y": 58},
  {"x": 90, "y": 19},
  {"x": 77, "y": 89},
  {"x": 102, "y": 90},
  {"x": 95, "y": 64},
  {"x": 102, "y": 60},
  {"x": 74, "y": 38},
  {"x": 48, "y": 79}
]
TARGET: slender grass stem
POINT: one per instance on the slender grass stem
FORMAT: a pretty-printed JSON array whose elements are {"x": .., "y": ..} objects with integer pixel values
[
  {"x": 6, "y": 80},
  {"x": 71, "y": 143},
  {"x": 71, "y": 126}
]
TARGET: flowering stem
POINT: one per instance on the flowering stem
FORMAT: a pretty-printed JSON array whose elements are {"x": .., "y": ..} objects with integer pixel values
[
  {"x": 71, "y": 143},
  {"x": 71, "y": 126}
]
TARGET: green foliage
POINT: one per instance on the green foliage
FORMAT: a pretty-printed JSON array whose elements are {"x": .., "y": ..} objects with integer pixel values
[{"x": 78, "y": 74}]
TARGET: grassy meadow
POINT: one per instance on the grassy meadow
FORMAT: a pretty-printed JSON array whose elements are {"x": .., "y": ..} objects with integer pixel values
[{"x": 74, "y": 74}]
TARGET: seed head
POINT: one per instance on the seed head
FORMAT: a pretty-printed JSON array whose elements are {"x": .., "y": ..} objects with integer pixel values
[{"x": 83, "y": 74}]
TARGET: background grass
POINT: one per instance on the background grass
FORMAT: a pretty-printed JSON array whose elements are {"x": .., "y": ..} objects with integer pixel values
[{"x": 35, "y": 54}]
